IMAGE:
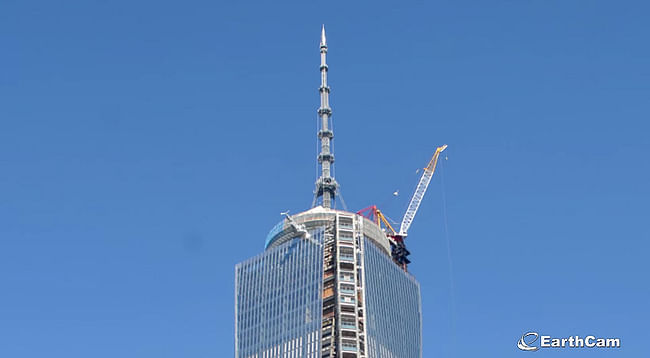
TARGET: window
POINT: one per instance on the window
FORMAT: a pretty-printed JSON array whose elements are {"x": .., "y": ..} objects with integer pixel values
[
  {"x": 346, "y": 236},
  {"x": 345, "y": 222},
  {"x": 348, "y": 322},
  {"x": 347, "y": 276},
  {"x": 349, "y": 345},
  {"x": 346, "y": 253},
  {"x": 347, "y": 288}
]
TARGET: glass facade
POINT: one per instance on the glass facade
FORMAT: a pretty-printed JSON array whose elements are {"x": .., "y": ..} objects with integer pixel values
[
  {"x": 278, "y": 301},
  {"x": 337, "y": 293},
  {"x": 393, "y": 307}
]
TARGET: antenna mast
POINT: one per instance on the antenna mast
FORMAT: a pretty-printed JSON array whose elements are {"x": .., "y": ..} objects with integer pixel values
[{"x": 326, "y": 185}]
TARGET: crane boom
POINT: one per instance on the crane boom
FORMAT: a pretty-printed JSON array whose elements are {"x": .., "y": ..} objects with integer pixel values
[{"x": 420, "y": 190}]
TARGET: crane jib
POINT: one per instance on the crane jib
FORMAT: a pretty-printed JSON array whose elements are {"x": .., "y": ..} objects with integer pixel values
[{"x": 420, "y": 190}]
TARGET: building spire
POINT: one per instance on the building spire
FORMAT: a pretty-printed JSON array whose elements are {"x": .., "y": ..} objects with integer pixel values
[
  {"x": 326, "y": 185},
  {"x": 323, "y": 41}
]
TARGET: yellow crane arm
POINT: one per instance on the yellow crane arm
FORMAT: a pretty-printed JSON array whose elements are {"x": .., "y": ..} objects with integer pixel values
[{"x": 383, "y": 219}]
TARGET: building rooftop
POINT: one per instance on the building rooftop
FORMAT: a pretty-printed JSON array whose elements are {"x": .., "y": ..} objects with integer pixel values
[{"x": 319, "y": 217}]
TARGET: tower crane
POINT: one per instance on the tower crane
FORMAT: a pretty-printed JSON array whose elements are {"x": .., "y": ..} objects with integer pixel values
[{"x": 396, "y": 238}]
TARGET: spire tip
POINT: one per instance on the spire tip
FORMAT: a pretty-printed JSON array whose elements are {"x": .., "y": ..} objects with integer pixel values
[{"x": 323, "y": 41}]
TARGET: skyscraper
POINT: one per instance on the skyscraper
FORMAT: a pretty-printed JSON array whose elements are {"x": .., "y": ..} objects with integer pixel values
[{"x": 328, "y": 283}]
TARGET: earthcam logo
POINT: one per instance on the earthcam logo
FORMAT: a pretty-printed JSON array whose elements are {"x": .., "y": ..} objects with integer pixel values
[
  {"x": 528, "y": 341},
  {"x": 526, "y": 346}
]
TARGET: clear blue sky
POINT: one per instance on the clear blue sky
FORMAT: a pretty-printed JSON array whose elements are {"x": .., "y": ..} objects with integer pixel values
[{"x": 146, "y": 147}]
